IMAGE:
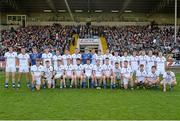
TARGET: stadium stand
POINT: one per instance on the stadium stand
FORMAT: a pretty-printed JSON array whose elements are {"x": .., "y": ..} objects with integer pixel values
[{"x": 122, "y": 37}]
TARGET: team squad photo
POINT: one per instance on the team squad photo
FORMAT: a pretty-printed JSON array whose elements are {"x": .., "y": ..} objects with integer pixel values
[
  {"x": 89, "y": 60},
  {"x": 88, "y": 70}
]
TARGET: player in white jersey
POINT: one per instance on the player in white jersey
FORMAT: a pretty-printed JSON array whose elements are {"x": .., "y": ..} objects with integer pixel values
[
  {"x": 94, "y": 56},
  {"x": 143, "y": 59},
  {"x": 97, "y": 74},
  {"x": 124, "y": 58},
  {"x": 11, "y": 62},
  {"x": 56, "y": 57},
  {"x": 152, "y": 77},
  {"x": 47, "y": 56},
  {"x": 141, "y": 76},
  {"x": 108, "y": 73},
  {"x": 48, "y": 75},
  {"x": 108, "y": 55},
  {"x": 150, "y": 61},
  {"x": 69, "y": 73},
  {"x": 126, "y": 75},
  {"x": 59, "y": 73},
  {"x": 117, "y": 73},
  {"x": 75, "y": 56},
  {"x": 36, "y": 73},
  {"x": 88, "y": 69},
  {"x": 168, "y": 79},
  {"x": 115, "y": 58},
  {"x": 161, "y": 63},
  {"x": 23, "y": 63},
  {"x": 66, "y": 56},
  {"x": 134, "y": 61},
  {"x": 79, "y": 71},
  {"x": 100, "y": 57}
]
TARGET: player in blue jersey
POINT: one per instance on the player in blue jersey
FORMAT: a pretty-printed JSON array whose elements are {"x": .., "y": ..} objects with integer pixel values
[
  {"x": 86, "y": 55},
  {"x": 34, "y": 55}
]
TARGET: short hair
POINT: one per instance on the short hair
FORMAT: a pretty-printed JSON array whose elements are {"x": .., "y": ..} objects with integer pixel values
[
  {"x": 88, "y": 59},
  {"x": 153, "y": 67},
  {"x": 78, "y": 59},
  {"x": 126, "y": 61},
  {"x": 47, "y": 61},
  {"x": 125, "y": 51},
  {"x": 116, "y": 62},
  {"x": 141, "y": 65}
]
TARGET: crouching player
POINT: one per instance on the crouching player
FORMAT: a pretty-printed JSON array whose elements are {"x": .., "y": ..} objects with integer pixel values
[
  {"x": 48, "y": 75},
  {"x": 108, "y": 74},
  {"x": 126, "y": 75},
  {"x": 97, "y": 74},
  {"x": 36, "y": 72},
  {"x": 69, "y": 72},
  {"x": 88, "y": 68},
  {"x": 152, "y": 77},
  {"x": 79, "y": 68},
  {"x": 140, "y": 76},
  {"x": 168, "y": 79},
  {"x": 59, "y": 73},
  {"x": 117, "y": 73}
]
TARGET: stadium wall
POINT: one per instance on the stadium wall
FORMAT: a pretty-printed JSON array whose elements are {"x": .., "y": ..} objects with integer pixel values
[
  {"x": 95, "y": 17},
  {"x": 92, "y": 23}
]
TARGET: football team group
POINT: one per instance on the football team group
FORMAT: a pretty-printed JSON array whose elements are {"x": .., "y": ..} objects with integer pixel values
[{"x": 88, "y": 70}]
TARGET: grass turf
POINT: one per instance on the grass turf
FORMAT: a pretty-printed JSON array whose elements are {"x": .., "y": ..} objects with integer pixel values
[{"x": 88, "y": 103}]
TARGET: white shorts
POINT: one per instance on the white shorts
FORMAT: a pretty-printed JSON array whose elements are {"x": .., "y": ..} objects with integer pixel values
[
  {"x": 125, "y": 81},
  {"x": 78, "y": 74},
  {"x": 87, "y": 75},
  {"x": 107, "y": 74},
  {"x": 49, "y": 80},
  {"x": 69, "y": 74},
  {"x": 37, "y": 80},
  {"x": 11, "y": 69},
  {"x": 98, "y": 75},
  {"x": 58, "y": 76},
  {"x": 166, "y": 82},
  {"x": 24, "y": 69}
]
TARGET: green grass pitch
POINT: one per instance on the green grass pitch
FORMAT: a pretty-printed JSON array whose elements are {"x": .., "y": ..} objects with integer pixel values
[{"x": 88, "y": 103}]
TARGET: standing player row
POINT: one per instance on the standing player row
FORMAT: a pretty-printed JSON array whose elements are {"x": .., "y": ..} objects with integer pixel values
[{"x": 134, "y": 60}]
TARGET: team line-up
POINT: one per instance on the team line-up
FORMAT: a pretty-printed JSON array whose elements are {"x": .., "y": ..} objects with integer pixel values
[{"x": 88, "y": 69}]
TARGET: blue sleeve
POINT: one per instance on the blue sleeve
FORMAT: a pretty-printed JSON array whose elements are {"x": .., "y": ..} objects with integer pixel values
[
  {"x": 40, "y": 55},
  {"x": 83, "y": 58}
]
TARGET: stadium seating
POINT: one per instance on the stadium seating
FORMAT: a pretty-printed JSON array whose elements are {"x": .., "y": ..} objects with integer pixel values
[{"x": 61, "y": 37}]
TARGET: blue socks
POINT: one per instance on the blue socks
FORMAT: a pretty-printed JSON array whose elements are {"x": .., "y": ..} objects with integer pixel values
[{"x": 92, "y": 84}]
